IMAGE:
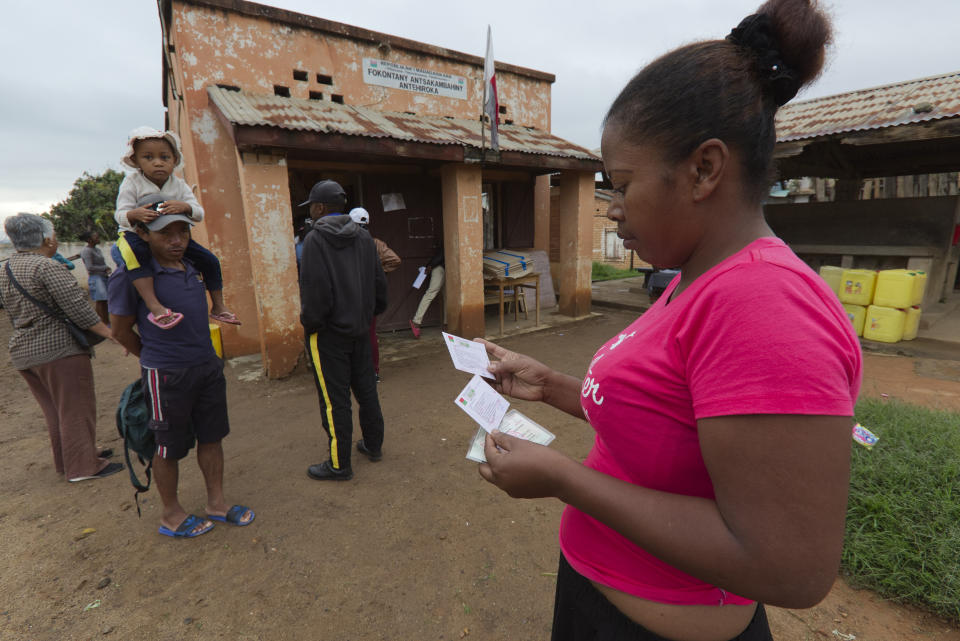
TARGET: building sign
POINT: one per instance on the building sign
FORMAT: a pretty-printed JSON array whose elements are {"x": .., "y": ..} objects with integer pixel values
[{"x": 396, "y": 76}]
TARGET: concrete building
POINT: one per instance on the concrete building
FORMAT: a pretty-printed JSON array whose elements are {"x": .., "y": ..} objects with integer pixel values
[
  {"x": 870, "y": 141},
  {"x": 269, "y": 101}
]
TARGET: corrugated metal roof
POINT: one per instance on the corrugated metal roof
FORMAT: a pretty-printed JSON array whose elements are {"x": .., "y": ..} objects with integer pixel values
[
  {"x": 936, "y": 97},
  {"x": 322, "y": 116}
]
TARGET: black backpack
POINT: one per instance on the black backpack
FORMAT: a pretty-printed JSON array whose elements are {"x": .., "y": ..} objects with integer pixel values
[{"x": 133, "y": 423}]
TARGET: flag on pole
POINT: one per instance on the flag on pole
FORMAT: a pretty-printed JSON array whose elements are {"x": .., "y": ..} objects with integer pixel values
[{"x": 491, "y": 106}]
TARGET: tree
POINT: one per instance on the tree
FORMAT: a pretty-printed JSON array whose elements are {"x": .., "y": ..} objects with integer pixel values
[{"x": 89, "y": 207}]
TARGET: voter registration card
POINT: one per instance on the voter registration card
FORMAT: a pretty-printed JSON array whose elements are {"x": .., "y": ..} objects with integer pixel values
[
  {"x": 482, "y": 403},
  {"x": 515, "y": 424}
]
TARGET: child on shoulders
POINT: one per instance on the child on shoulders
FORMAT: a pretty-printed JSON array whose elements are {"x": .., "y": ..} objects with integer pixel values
[{"x": 155, "y": 155}]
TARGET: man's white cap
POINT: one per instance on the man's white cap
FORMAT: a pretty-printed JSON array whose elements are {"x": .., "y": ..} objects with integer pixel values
[{"x": 360, "y": 216}]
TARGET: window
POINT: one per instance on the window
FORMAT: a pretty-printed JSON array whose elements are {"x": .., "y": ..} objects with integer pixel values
[
  {"x": 612, "y": 245},
  {"x": 336, "y": 98},
  {"x": 280, "y": 90},
  {"x": 324, "y": 79},
  {"x": 299, "y": 75},
  {"x": 316, "y": 95}
]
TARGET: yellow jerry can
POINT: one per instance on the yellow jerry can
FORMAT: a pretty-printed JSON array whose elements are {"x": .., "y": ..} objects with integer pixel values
[
  {"x": 895, "y": 288},
  {"x": 884, "y": 324},
  {"x": 911, "y": 324},
  {"x": 833, "y": 275},
  {"x": 216, "y": 340},
  {"x": 856, "y": 286},
  {"x": 857, "y": 314}
]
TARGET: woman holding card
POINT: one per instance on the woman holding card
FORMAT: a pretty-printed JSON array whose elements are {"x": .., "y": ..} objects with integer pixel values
[{"x": 718, "y": 476}]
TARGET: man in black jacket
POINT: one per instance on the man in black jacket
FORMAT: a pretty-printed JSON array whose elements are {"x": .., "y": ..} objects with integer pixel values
[{"x": 342, "y": 287}]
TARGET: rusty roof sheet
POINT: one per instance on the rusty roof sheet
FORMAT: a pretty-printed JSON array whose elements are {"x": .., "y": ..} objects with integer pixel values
[
  {"x": 913, "y": 101},
  {"x": 323, "y": 116}
]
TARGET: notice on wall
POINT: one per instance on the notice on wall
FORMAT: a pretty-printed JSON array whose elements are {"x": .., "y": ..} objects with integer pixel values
[
  {"x": 392, "y": 202},
  {"x": 396, "y": 76}
]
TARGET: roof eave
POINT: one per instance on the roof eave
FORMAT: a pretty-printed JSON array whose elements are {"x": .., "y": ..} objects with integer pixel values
[{"x": 257, "y": 137}]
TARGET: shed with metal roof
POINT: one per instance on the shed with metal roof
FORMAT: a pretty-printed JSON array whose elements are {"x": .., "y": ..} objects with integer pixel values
[{"x": 901, "y": 129}]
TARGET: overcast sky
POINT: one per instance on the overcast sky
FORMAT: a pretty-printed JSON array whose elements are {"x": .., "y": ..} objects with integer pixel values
[{"x": 77, "y": 76}]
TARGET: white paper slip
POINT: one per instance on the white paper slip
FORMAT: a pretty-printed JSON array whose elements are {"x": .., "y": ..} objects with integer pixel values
[
  {"x": 515, "y": 424},
  {"x": 468, "y": 356},
  {"x": 482, "y": 403},
  {"x": 421, "y": 276}
]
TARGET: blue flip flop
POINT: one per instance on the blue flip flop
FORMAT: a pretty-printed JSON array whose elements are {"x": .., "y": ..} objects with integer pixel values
[
  {"x": 183, "y": 531},
  {"x": 234, "y": 515}
]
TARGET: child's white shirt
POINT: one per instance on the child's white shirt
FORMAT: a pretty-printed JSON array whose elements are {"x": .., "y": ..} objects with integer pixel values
[{"x": 135, "y": 186}]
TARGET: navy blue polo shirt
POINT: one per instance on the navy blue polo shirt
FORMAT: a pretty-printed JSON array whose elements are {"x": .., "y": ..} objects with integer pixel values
[{"x": 185, "y": 345}]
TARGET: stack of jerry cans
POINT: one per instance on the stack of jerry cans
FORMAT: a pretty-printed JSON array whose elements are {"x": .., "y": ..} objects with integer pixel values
[
  {"x": 894, "y": 314},
  {"x": 882, "y": 306}
]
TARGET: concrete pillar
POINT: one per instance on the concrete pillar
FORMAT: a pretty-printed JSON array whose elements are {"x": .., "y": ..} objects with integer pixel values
[
  {"x": 463, "y": 249},
  {"x": 273, "y": 264},
  {"x": 541, "y": 213},
  {"x": 576, "y": 214},
  {"x": 213, "y": 158}
]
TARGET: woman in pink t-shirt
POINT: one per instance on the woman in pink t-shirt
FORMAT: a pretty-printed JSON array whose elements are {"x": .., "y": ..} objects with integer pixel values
[{"x": 718, "y": 476}]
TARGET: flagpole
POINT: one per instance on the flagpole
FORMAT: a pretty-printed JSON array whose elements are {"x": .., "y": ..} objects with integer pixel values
[
  {"x": 483, "y": 104},
  {"x": 483, "y": 131}
]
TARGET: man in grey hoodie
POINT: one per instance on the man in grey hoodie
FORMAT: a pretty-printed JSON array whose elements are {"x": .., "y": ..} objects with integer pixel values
[{"x": 342, "y": 287}]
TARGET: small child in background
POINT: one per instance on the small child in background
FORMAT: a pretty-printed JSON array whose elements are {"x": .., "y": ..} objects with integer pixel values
[{"x": 155, "y": 155}]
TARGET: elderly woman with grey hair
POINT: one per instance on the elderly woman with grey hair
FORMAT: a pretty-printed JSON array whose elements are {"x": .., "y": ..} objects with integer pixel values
[{"x": 56, "y": 368}]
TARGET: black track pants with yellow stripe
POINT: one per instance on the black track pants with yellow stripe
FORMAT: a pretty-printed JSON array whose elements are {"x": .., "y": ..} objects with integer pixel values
[{"x": 342, "y": 364}]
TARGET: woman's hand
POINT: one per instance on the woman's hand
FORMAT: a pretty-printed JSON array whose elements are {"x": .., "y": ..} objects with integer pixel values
[
  {"x": 522, "y": 469},
  {"x": 101, "y": 329},
  {"x": 517, "y": 375},
  {"x": 175, "y": 207}
]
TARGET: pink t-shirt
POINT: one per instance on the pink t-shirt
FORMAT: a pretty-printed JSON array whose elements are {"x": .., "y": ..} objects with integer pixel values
[{"x": 760, "y": 333}]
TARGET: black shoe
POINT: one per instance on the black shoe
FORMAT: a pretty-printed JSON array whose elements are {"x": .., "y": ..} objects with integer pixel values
[
  {"x": 377, "y": 376},
  {"x": 325, "y": 472},
  {"x": 111, "y": 468},
  {"x": 373, "y": 456}
]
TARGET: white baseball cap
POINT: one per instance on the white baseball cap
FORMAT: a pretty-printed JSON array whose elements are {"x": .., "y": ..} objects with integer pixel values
[{"x": 360, "y": 216}]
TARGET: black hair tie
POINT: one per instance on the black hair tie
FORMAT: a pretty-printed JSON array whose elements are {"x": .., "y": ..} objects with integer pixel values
[{"x": 755, "y": 33}]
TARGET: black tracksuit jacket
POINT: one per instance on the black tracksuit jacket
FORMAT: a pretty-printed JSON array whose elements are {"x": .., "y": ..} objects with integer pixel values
[{"x": 342, "y": 285}]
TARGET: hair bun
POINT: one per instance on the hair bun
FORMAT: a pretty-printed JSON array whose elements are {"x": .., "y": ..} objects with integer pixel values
[
  {"x": 801, "y": 29},
  {"x": 755, "y": 33}
]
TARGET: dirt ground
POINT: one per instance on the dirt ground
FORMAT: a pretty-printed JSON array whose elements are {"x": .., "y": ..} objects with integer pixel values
[{"x": 415, "y": 547}]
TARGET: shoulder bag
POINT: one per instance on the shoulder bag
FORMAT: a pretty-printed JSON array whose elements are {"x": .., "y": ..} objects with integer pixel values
[{"x": 84, "y": 338}]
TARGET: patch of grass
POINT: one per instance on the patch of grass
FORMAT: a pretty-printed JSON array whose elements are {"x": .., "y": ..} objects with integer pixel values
[
  {"x": 903, "y": 520},
  {"x": 603, "y": 271}
]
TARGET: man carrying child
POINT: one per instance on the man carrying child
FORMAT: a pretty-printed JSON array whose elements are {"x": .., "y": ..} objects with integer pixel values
[
  {"x": 154, "y": 156},
  {"x": 182, "y": 375}
]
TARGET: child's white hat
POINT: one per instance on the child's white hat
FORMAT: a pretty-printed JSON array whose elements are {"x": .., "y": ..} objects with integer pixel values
[{"x": 144, "y": 133}]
